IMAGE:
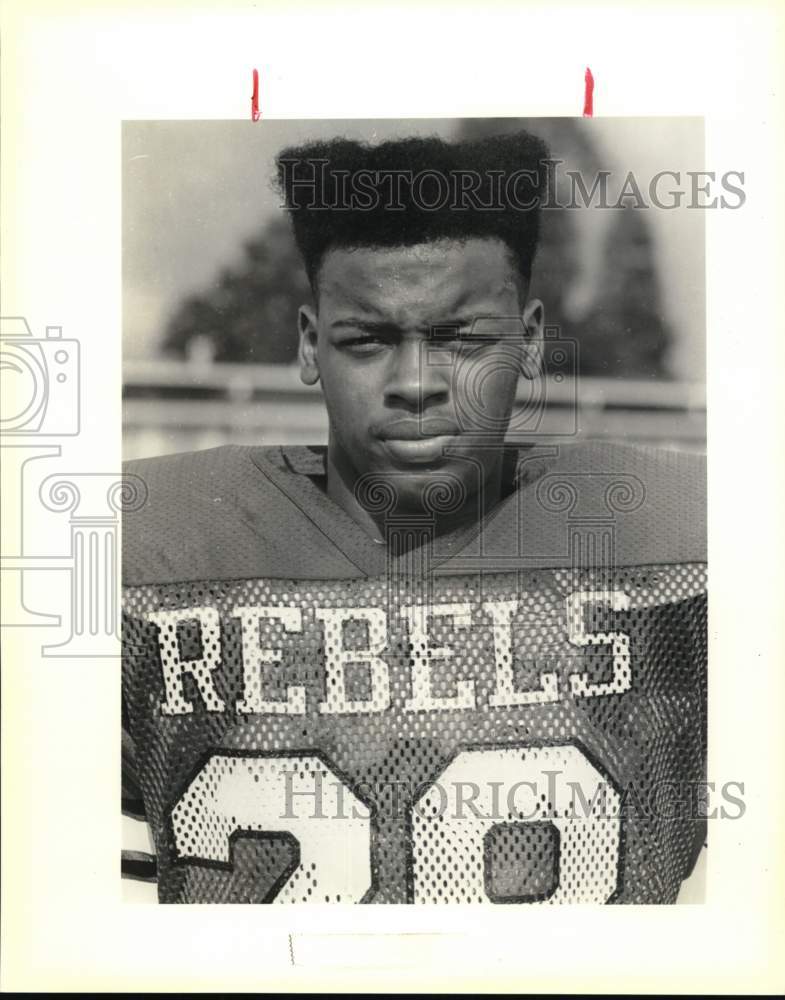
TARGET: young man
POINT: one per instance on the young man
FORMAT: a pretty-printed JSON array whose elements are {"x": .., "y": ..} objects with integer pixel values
[{"x": 422, "y": 664}]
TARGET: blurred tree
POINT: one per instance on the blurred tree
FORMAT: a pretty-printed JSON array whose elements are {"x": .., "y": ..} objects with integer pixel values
[{"x": 250, "y": 313}]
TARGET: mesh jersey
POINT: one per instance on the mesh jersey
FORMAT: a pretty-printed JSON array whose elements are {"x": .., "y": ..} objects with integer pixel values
[{"x": 511, "y": 714}]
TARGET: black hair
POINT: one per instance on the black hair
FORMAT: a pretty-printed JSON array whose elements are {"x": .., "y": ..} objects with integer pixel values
[{"x": 342, "y": 193}]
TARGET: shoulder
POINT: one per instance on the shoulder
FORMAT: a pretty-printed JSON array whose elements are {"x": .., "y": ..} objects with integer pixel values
[
  {"x": 194, "y": 482},
  {"x": 185, "y": 472},
  {"x": 203, "y": 515},
  {"x": 648, "y": 503},
  {"x": 655, "y": 475}
]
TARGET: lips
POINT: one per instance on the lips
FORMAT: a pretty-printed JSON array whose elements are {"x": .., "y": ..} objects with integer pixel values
[
  {"x": 423, "y": 451},
  {"x": 418, "y": 442},
  {"x": 418, "y": 430}
]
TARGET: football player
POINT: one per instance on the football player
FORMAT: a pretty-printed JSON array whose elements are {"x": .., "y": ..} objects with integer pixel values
[{"x": 433, "y": 661}]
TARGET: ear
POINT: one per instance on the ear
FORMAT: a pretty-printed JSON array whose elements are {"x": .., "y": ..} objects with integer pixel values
[
  {"x": 533, "y": 317},
  {"x": 307, "y": 354}
]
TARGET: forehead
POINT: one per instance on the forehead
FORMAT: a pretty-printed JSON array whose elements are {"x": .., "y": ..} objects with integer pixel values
[{"x": 442, "y": 275}]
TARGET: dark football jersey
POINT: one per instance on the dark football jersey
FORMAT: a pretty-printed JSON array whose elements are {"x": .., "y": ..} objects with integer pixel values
[{"x": 513, "y": 712}]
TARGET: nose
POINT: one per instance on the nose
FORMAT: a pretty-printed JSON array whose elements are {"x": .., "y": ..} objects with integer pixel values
[{"x": 414, "y": 382}]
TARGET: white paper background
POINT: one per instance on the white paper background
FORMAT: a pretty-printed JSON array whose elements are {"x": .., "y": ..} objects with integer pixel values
[{"x": 70, "y": 75}]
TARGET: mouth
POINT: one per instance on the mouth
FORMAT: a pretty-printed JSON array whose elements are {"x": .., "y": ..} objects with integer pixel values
[{"x": 418, "y": 451}]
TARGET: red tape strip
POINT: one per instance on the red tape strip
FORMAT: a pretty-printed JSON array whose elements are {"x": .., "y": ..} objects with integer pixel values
[
  {"x": 255, "y": 114},
  {"x": 588, "y": 100}
]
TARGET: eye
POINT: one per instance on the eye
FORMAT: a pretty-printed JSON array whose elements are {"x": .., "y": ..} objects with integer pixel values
[{"x": 366, "y": 344}]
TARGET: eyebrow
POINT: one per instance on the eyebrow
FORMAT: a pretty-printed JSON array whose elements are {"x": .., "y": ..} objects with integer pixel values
[
  {"x": 376, "y": 326},
  {"x": 354, "y": 323}
]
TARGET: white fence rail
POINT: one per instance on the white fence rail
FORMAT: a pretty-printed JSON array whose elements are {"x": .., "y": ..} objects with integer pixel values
[{"x": 176, "y": 406}]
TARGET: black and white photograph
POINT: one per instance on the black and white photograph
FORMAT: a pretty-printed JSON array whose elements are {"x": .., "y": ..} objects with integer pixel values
[
  {"x": 391, "y": 498},
  {"x": 414, "y": 583}
]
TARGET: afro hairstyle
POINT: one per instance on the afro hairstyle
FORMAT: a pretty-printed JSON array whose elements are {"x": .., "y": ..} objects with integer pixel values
[{"x": 343, "y": 193}]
